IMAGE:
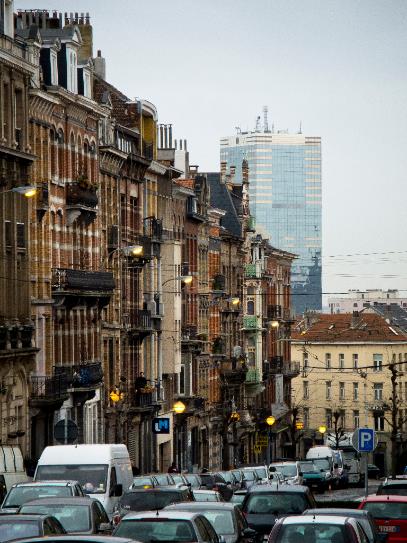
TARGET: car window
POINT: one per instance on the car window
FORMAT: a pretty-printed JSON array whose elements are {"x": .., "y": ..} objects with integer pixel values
[
  {"x": 74, "y": 518},
  {"x": 100, "y": 513},
  {"x": 394, "y": 490},
  {"x": 362, "y": 535},
  {"x": 312, "y": 533},
  {"x": 3, "y": 488},
  {"x": 148, "y": 530},
  {"x": 202, "y": 529},
  {"x": 48, "y": 528},
  {"x": 113, "y": 480},
  {"x": 280, "y": 503},
  {"x": 387, "y": 509},
  {"x": 150, "y": 500},
  {"x": 22, "y": 494},
  {"x": 14, "y": 530},
  {"x": 240, "y": 519},
  {"x": 222, "y": 521},
  {"x": 213, "y": 536}
]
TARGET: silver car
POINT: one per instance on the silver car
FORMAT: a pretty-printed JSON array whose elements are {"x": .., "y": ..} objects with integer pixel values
[
  {"x": 167, "y": 526},
  {"x": 291, "y": 471}
]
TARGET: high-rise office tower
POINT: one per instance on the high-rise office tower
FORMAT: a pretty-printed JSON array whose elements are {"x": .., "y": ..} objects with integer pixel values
[{"x": 285, "y": 198}]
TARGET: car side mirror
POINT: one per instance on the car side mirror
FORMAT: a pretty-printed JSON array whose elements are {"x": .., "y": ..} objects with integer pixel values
[
  {"x": 105, "y": 527},
  {"x": 322, "y": 470},
  {"x": 272, "y": 469},
  {"x": 117, "y": 490}
]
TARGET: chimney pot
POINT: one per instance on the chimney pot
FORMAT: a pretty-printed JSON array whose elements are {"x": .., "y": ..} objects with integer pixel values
[{"x": 99, "y": 53}]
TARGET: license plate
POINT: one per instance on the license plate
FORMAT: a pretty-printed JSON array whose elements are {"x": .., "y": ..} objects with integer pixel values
[{"x": 388, "y": 529}]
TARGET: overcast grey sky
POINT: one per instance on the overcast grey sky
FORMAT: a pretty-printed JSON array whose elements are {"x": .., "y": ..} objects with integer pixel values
[{"x": 338, "y": 66}]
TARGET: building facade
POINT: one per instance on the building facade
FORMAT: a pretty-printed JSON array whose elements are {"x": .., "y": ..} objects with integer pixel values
[
  {"x": 285, "y": 198},
  {"x": 346, "y": 378},
  {"x": 357, "y": 300}
]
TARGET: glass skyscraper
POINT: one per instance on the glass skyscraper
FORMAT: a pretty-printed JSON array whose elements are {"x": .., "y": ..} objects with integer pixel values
[{"x": 286, "y": 199}]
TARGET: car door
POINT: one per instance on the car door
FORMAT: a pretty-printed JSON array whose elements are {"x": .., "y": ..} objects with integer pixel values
[{"x": 99, "y": 516}]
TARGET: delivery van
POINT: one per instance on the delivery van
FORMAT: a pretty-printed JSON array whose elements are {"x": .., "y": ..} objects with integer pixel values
[
  {"x": 103, "y": 471},
  {"x": 11, "y": 468}
]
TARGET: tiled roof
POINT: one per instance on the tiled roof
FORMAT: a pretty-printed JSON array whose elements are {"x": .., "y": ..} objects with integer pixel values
[
  {"x": 187, "y": 183},
  {"x": 393, "y": 312},
  {"x": 221, "y": 199},
  {"x": 346, "y": 327}
]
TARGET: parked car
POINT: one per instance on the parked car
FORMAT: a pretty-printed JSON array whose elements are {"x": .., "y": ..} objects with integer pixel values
[
  {"x": 207, "y": 495},
  {"x": 150, "y": 499},
  {"x": 317, "y": 529},
  {"x": 226, "y": 518},
  {"x": 291, "y": 471},
  {"x": 77, "y": 539},
  {"x": 230, "y": 480},
  {"x": 177, "y": 526},
  {"x": 373, "y": 472},
  {"x": 76, "y": 515},
  {"x": 250, "y": 478},
  {"x": 261, "y": 472},
  {"x": 144, "y": 481},
  {"x": 11, "y": 468},
  {"x": 315, "y": 477},
  {"x": 264, "y": 504},
  {"x": 215, "y": 481},
  {"x": 364, "y": 518},
  {"x": 21, "y": 493},
  {"x": 194, "y": 480},
  {"x": 238, "y": 497},
  {"x": 164, "y": 479},
  {"x": 390, "y": 515},
  {"x": 395, "y": 487},
  {"x": 180, "y": 480},
  {"x": 21, "y": 526}
]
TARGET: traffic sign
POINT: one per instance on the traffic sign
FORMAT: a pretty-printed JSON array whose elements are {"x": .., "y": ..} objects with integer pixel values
[
  {"x": 364, "y": 440},
  {"x": 257, "y": 449},
  {"x": 262, "y": 440},
  {"x": 161, "y": 425},
  {"x": 66, "y": 431}
]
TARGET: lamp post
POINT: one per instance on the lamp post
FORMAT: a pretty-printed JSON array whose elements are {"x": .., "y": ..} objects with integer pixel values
[
  {"x": 26, "y": 190},
  {"x": 270, "y": 421},
  {"x": 322, "y": 429},
  {"x": 179, "y": 441}
]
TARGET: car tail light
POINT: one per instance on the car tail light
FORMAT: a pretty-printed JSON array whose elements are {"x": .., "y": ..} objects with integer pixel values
[{"x": 116, "y": 519}]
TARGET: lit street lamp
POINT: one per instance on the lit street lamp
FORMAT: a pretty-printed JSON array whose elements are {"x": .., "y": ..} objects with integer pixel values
[
  {"x": 270, "y": 421},
  {"x": 179, "y": 407},
  {"x": 26, "y": 190}
]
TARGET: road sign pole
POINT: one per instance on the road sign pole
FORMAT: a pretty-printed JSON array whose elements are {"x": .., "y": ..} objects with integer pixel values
[{"x": 366, "y": 475}]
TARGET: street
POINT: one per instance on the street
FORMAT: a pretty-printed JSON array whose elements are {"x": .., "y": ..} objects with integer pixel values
[{"x": 347, "y": 494}]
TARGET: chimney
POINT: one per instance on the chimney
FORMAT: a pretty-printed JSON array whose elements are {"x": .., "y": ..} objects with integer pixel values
[
  {"x": 100, "y": 65},
  {"x": 170, "y": 136},
  {"x": 7, "y": 18},
  {"x": 223, "y": 171},
  {"x": 86, "y": 29}
]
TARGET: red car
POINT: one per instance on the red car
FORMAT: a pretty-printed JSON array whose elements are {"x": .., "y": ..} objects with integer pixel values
[{"x": 390, "y": 515}]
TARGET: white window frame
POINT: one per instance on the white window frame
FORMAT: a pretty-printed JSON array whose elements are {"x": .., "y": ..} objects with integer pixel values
[
  {"x": 328, "y": 390},
  {"x": 341, "y": 361},
  {"x": 355, "y": 361},
  {"x": 328, "y": 361},
  {"x": 54, "y": 67},
  {"x": 377, "y": 362},
  {"x": 378, "y": 391},
  {"x": 342, "y": 390},
  {"x": 356, "y": 418},
  {"x": 355, "y": 391}
]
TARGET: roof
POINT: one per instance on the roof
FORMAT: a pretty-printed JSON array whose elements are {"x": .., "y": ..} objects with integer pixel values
[
  {"x": 46, "y": 483},
  {"x": 75, "y": 500},
  {"x": 273, "y": 488},
  {"x": 163, "y": 513},
  {"x": 222, "y": 199},
  {"x": 316, "y": 519},
  {"x": 163, "y": 488},
  {"x": 201, "y": 506},
  {"x": 384, "y": 498},
  {"x": 395, "y": 314},
  {"x": 21, "y": 517},
  {"x": 345, "y": 328}
]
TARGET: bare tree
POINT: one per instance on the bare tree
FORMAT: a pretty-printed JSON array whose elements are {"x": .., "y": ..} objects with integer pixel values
[{"x": 295, "y": 433}]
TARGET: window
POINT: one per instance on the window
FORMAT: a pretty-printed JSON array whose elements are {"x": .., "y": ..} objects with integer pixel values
[
  {"x": 328, "y": 385},
  {"x": 305, "y": 387},
  {"x": 328, "y": 418},
  {"x": 341, "y": 361},
  {"x": 250, "y": 307},
  {"x": 327, "y": 361},
  {"x": 54, "y": 68},
  {"x": 305, "y": 416},
  {"x": 8, "y": 234},
  {"x": 378, "y": 391},
  {"x": 342, "y": 418},
  {"x": 356, "y": 418},
  {"x": 20, "y": 235},
  {"x": 341, "y": 391},
  {"x": 182, "y": 380},
  {"x": 355, "y": 391},
  {"x": 379, "y": 421},
  {"x": 305, "y": 361},
  {"x": 377, "y": 362},
  {"x": 72, "y": 71},
  {"x": 355, "y": 361},
  {"x": 86, "y": 84}
]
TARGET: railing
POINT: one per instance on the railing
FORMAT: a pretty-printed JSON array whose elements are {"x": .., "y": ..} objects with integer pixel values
[
  {"x": 79, "y": 195},
  {"x": 253, "y": 270},
  {"x": 285, "y": 368},
  {"x": 250, "y": 322},
  {"x": 48, "y": 388},
  {"x": 86, "y": 375},
  {"x": 9, "y": 45},
  {"x": 141, "y": 319},
  {"x": 68, "y": 279},
  {"x": 253, "y": 375},
  {"x": 145, "y": 399}
]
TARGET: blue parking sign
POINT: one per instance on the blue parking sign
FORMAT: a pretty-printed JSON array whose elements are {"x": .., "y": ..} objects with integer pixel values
[
  {"x": 366, "y": 440},
  {"x": 161, "y": 425}
]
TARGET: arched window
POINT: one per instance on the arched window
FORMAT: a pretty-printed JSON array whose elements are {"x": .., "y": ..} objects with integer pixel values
[
  {"x": 61, "y": 162},
  {"x": 250, "y": 307},
  {"x": 86, "y": 159},
  {"x": 73, "y": 165},
  {"x": 79, "y": 157}
]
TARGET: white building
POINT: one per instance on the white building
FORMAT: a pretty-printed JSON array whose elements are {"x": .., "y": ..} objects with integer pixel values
[{"x": 356, "y": 300}]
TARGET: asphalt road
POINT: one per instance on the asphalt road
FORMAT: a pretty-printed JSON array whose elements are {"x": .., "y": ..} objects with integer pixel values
[{"x": 348, "y": 494}]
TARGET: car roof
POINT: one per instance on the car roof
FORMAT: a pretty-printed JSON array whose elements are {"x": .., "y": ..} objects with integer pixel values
[
  {"x": 337, "y": 512},
  {"x": 162, "y": 513},
  {"x": 200, "y": 505},
  {"x": 385, "y": 498},
  {"x": 160, "y": 489},
  {"x": 295, "y": 489},
  {"x": 204, "y": 491},
  {"x": 76, "y": 500},
  {"x": 317, "y": 519},
  {"x": 23, "y": 516},
  {"x": 46, "y": 483},
  {"x": 71, "y": 537},
  {"x": 395, "y": 482}
]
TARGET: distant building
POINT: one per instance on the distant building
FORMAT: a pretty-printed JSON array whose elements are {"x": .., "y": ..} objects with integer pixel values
[
  {"x": 356, "y": 300},
  {"x": 285, "y": 197}
]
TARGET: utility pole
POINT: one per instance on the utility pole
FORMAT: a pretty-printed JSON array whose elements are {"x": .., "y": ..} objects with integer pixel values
[{"x": 394, "y": 419}]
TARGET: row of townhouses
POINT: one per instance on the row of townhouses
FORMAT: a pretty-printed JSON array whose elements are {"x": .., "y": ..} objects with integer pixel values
[{"x": 131, "y": 281}]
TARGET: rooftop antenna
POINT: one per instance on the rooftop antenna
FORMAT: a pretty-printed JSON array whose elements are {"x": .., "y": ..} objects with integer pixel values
[
  {"x": 258, "y": 127},
  {"x": 300, "y": 130},
  {"x": 238, "y": 129},
  {"x": 265, "y": 120},
  {"x": 272, "y": 128}
]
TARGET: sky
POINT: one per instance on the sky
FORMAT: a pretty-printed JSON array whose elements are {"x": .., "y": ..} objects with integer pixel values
[{"x": 338, "y": 67}]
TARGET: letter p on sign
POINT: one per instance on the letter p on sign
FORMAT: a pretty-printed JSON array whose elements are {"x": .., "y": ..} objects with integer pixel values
[{"x": 366, "y": 440}]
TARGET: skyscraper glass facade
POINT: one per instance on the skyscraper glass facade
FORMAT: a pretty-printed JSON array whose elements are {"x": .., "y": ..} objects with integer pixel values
[{"x": 286, "y": 199}]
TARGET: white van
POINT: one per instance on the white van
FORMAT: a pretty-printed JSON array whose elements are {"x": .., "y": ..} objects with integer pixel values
[
  {"x": 11, "y": 468},
  {"x": 104, "y": 471},
  {"x": 334, "y": 457}
]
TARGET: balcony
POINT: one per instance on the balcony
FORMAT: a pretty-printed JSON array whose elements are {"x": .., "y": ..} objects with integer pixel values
[
  {"x": 252, "y": 271},
  {"x": 253, "y": 376},
  {"x": 232, "y": 372},
  {"x": 192, "y": 210},
  {"x": 251, "y": 323},
  {"x": 81, "y": 202},
  {"x": 48, "y": 392},
  {"x": 16, "y": 336},
  {"x": 144, "y": 400},
  {"x": 274, "y": 312},
  {"x": 140, "y": 325},
  {"x": 251, "y": 224},
  {"x": 219, "y": 282},
  {"x": 288, "y": 369},
  {"x": 88, "y": 375},
  {"x": 73, "y": 287}
]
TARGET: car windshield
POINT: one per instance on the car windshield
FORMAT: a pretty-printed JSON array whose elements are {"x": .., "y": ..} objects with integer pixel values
[
  {"x": 308, "y": 467},
  {"x": 178, "y": 480},
  {"x": 205, "y": 496},
  {"x": 92, "y": 477},
  {"x": 387, "y": 509},
  {"x": 227, "y": 475},
  {"x": 145, "y": 501},
  {"x": 193, "y": 480},
  {"x": 315, "y": 533},
  {"x": 288, "y": 470},
  {"x": 237, "y": 498},
  {"x": 162, "y": 479},
  {"x": 22, "y": 494},
  {"x": 394, "y": 490},
  {"x": 148, "y": 530},
  {"x": 74, "y": 518},
  {"x": 18, "y": 530},
  {"x": 322, "y": 463},
  {"x": 222, "y": 521},
  {"x": 261, "y": 472},
  {"x": 142, "y": 481},
  {"x": 276, "y": 503},
  {"x": 249, "y": 475},
  {"x": 237, "y": 474}
]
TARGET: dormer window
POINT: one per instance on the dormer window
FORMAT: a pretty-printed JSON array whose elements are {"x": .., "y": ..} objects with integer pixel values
[
  {"x": 54, "y": 68},
  {"x": 86, "y": 84},
  {"x": 72, "y": 78}
]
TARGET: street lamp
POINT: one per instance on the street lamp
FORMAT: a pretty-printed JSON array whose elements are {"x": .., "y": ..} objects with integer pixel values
[
  {"x": 270, "y": 420},
  {"x": 186, "y": 279},
  {"x": 234, "y": 301},
  {"x": 26, "y": 190},
  {"x": 322, "y": 429},
  {"x": 275, "y": 324},
  {"x": 179, "y": 407}
]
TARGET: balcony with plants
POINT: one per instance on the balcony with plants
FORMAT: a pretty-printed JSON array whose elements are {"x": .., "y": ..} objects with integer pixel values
[{"x": 82, "y": 199}]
